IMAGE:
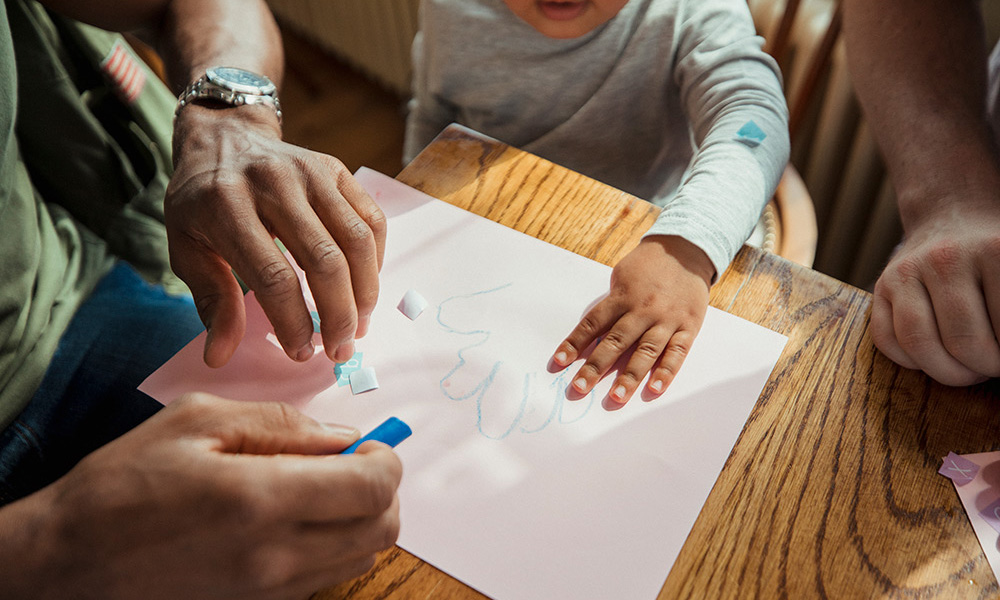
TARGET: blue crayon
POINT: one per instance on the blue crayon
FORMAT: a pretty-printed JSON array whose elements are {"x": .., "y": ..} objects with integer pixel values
[{"x": 391, "y": 432}]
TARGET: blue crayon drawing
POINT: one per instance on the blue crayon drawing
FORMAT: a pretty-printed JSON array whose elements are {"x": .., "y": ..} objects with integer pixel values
[{"x": 540, "y": 403}]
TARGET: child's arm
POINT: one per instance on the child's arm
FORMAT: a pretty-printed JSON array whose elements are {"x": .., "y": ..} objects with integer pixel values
[
  {"x": 658, "y": 299},
  {"x": 732, "y": 95}
]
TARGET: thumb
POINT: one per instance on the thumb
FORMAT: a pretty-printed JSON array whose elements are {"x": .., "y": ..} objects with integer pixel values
[{"x": 258, "y": 427}]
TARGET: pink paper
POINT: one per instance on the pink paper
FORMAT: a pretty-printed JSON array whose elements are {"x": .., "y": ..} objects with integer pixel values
[
  {"x": 509, "y": 486},
  {"x": 958, "y": 469},
  {"x": 981, "y": 499}
]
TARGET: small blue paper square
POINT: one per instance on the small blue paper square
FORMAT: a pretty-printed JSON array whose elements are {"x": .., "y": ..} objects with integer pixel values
[
  {"x": 315, "y": 318},
  {"x": 751, "y": 134},
  {"x": 343, "y": 370}
]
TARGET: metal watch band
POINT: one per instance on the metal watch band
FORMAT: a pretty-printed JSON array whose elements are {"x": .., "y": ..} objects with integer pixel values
[{"x": 201, "y": 88}]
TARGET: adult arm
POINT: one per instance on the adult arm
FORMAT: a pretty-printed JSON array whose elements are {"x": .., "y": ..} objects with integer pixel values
[
  {"x": 210, "y": 498},
  {"x": 919, "y": 70},
  {"x": 237, "y": 185}
]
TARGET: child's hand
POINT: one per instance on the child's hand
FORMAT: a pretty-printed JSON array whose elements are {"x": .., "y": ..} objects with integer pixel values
[{"x": 658, "y": 299}]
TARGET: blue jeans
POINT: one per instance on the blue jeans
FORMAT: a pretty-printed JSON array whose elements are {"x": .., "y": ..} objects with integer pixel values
[{"x": 121, "y": 334}]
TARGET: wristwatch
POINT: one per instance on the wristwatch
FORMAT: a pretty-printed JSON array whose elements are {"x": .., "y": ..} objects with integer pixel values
[{"x": 232, "y": 86}]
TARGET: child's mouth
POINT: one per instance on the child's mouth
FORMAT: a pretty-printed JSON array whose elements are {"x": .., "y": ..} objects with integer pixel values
[{"x": 562, "y": 11}]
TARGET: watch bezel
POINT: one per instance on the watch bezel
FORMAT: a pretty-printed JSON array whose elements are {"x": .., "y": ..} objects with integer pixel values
[{"x": 218, "y": 76}]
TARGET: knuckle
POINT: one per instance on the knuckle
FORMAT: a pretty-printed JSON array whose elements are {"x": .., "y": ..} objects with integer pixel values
[
  {"x": 629, "y": 378},
  {"x": 194, "y": 405},
  {"x": 341, "y": 326},
  {"x": 914, "y": 341},
  {"x": 334, "y": 165},
  {"x": 358, "y": 235},
  {"x": 945, "y": 257},
  {"x": 615, "y": 342},
  {"x": 376, "y": 221},
  {"x": 276, "y": 278},
  {"x": 648, "y": 349},
  {"x": 678, "y": 350},
  {"x": 589, "y": 326},
  {"x": 390, "y": 530},
  {"x": 359, "y": 567},
  {"x": 270, "y": 566},
  {"x": 326, "y": 258},
  {"x": 206, "y": 304},
  {"x": 590, "y": 370},
  {"x": 904, "y": 271},
  {"x": 375, "y": 492}
]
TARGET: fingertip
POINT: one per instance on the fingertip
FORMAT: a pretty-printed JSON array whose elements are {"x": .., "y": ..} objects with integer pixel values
[
  {"x": 561, "y": 358},
  {"x": 619, "y": 393},
  {"x": 363, "y": 324},
  {"x": 580, "y": 385},
  {"x": 304, "y": 353},
  {"x": 343, "y": 352},
  {"x": 343, "y": 434},
  {"x": 656, "y": 386},
  {"x": 217, "y": 351}
]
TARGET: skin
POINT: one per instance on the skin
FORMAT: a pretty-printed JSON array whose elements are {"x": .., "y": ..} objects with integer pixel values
[
  {"x": 208, "y": 499},
  {"x": 659, "y": 291},
  {"x": 919, "y": 69},
  {"x": 237, "y": 185},
  {"x": 213, "y": 498},
  {"x": 583, "y": 15},
  {"x": 657, "y": 303}
]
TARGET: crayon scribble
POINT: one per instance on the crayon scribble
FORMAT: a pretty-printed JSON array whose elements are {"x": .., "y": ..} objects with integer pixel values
[{"x": 532, "y": 395}]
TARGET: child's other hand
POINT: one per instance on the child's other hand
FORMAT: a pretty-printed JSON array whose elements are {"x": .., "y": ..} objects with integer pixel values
[{"x": 658, "y": 299}]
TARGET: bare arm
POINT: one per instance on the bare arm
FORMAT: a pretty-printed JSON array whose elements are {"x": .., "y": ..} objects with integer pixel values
[
  {"x": 237, "y": 186},
  {"x": 919, "y": 68}
]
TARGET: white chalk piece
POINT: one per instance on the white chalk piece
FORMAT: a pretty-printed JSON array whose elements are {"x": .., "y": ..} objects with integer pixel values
[
  {"x": 412, "y": 304},
  {"x": 363, "y": 380}
]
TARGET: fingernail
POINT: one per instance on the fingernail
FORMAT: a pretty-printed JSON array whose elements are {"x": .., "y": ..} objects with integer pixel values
[
  {"x": 341, "y": 430},
  {"x": 363, "y": 324},
  {"x": 656, "y": 386},
  {"x": 561, "y": 357},
  {"x": 618, "y": 393},
  {"x": 305, "y": 353},
  {"x": 580, "y": 384},
  {"x": 344, "y": 352}
]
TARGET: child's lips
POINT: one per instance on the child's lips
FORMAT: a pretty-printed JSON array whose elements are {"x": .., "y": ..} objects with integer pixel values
[{"x": 562, "y": 11}]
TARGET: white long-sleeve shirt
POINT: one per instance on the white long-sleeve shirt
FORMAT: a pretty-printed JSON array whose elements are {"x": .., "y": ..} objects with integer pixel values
[{"x": 671, "y": 100}]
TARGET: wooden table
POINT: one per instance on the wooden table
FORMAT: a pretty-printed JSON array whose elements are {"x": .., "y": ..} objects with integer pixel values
[{"x": 832, "y": 489}]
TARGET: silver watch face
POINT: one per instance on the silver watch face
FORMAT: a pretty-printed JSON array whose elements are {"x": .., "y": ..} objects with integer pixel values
[{"x": 241, "y": 80}]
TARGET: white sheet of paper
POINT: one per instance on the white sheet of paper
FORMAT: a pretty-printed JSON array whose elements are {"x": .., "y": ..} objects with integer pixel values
[{"x": 508, "y": 486}]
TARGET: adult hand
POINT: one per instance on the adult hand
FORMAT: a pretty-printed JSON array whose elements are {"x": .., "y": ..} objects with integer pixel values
[
  {"x": 658, "y": 300},
  {"x": 937, "y": 304},
  {"x": 208, "y": 499},
  {"x": 235, "y": 188}
]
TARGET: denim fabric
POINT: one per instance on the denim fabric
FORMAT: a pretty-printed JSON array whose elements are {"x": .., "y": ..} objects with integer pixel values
[{"x": 120, "y": 335}]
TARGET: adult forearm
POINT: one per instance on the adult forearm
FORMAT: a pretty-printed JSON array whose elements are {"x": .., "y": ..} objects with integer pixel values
[
  {"x": 197, "y": 34},
  {"x": 919, "y": 70},
  {"x": 192, "y": 34}
]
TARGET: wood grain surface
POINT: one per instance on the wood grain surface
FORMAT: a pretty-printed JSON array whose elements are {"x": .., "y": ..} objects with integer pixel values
[{"x": 832, "y": 489}]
